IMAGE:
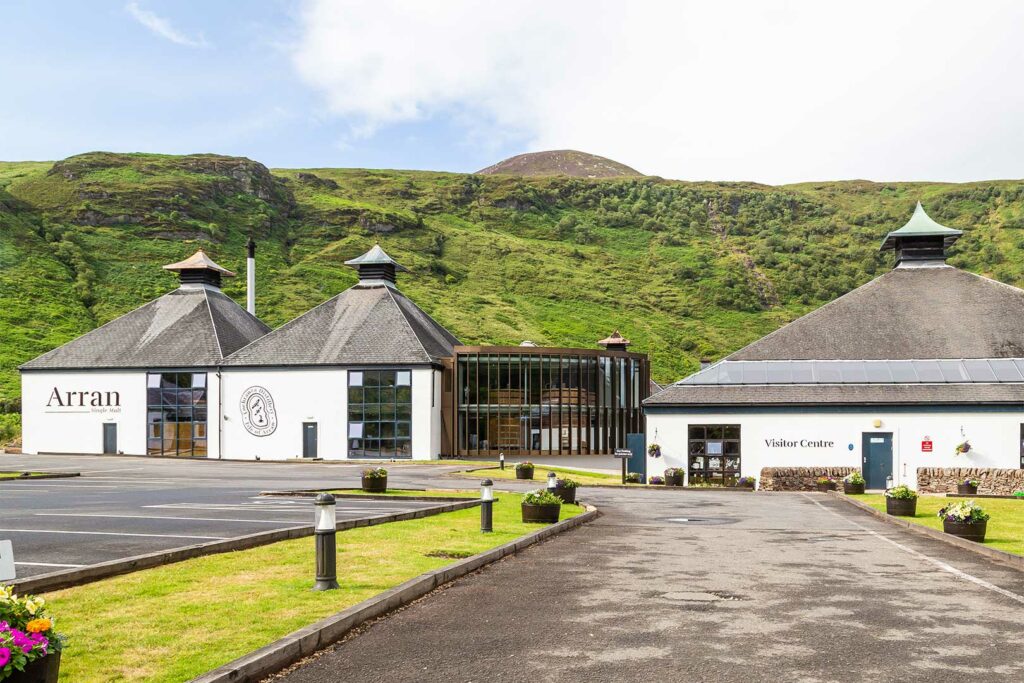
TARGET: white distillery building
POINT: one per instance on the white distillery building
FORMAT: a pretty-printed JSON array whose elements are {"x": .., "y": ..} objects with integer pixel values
[
  {"x": 366, "y": 374},
  {"x": 893, "y": 376}
]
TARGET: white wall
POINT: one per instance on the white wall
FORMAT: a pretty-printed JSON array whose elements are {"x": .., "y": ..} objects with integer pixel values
[
  {"x": 994, "y": 438},
  {"x": 316, "y": 395},
  {"x": 77, "y": 428}
]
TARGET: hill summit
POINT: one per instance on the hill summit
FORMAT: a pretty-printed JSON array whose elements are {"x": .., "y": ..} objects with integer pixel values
[{"x": 567, "y": 162}]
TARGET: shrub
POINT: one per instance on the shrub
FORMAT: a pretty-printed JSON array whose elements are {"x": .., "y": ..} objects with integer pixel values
[
  {"x": 633, "y": 478},
  {"x": 541, "y": 497},
  {"x": 375, "y": 473},
  {"x": 965, "y": 512},
  {"x": 524, "y": 466},
  {"x": 854, "y": 478},
  {"x": 567, "y": 483},
  {"x": 901, "y": 492}
]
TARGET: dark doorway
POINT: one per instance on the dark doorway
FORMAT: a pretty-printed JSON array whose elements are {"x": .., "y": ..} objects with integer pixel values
[
  {"x": 109, "y": 438},
  {"x": 309, "y": 439},
  {"x": 877, "y": 458}
]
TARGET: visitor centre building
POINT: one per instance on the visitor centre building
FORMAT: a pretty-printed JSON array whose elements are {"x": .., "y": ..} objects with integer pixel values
[{"x": 921, "y": 367}]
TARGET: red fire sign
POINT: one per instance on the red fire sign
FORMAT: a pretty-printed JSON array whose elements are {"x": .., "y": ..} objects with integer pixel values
[{"x": 926, "y": 446}]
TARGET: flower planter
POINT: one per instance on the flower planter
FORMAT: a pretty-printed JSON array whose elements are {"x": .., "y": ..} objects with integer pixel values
[
  {"x": 746, "y": 485},
  {"x": 824, "y": 488},
  {"x": 43, "y": 670},
  {"x": 674, "y": 480},
  {"x": 544, "y": 514},
  {"x": 568, "y": 495},
  {"x": 853, "y": 489},
  {"x": 966, "y": 489},
  {"x": 972, "y": 531},
  {"x": 901, "y": 507},
  {"x": 524, "y": 473},
  {"x": 375, "y": 484}
]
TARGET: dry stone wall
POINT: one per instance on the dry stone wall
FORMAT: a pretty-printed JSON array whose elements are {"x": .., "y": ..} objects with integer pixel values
[
  {"x": 992, "y": 481},
  {"x": 799, "y": 478}
]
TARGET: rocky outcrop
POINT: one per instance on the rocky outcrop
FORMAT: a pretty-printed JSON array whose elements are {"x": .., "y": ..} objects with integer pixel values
[
  {"x": 1002, "y": 482},
  {"x": 799, "y": 478}
]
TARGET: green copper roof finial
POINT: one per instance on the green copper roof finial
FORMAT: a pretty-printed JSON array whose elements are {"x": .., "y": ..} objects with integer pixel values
[{"x": 921, "y": 225}]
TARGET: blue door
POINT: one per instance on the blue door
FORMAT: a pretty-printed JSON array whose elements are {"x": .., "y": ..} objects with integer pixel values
[
  {"x": 638, "y": 463},
  {"x": 876, "y": 450}
]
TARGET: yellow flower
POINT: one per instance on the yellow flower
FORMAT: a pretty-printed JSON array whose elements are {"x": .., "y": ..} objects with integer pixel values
[
  {"x": 38, "y": 625},
  {"x": 31, "y": 606}
]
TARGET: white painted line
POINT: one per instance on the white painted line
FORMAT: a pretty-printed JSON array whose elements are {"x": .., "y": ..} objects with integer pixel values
[
  {"x": 49, "y": 564},
  {"x": 187, "y": 519},
  {"x": 959, "y": 573},
  {"x": 109, "y": 533}
]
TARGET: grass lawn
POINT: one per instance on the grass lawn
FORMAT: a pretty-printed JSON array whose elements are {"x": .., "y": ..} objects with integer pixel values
[
  {"x": 18, "y": 475},
  {"x": 540, "y": 475},
  {"x": 399, "y": 493},
  {"x": 1005, "y": 530},
  {"x": 176, "y": 622}
]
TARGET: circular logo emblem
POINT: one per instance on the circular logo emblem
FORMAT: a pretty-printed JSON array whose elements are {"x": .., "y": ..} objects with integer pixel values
[{"x": 258, "y": 414}]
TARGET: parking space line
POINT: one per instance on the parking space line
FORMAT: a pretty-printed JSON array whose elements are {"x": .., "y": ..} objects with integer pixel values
[
  {"x": 110, "y": 533},
  {"x": 959, "y": 573},
  {"x": 48, "y": 564},
  {"x": 186, "y": 519}
]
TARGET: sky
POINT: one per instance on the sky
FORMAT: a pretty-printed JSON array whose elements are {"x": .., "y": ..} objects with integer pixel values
[{"x": 773, "y": 92}]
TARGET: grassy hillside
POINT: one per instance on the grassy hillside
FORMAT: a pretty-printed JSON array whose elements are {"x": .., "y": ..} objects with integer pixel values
[{"x": 686, "y": 270}]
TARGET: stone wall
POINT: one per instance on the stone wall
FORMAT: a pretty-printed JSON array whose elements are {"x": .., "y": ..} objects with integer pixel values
[
  {"x": 990, "y": 480},
  {"x": 799, "y": 478}
]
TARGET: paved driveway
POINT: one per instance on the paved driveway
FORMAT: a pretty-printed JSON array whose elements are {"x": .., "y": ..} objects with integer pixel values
[
  {"x": 122, "y": 507},
  {"x": 718, "y": 587}
]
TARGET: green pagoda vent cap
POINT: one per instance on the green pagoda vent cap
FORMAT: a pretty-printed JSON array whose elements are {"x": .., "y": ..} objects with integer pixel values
[
  {"x": 921, "y": 225},
  {"x": 375, "y": 257}
]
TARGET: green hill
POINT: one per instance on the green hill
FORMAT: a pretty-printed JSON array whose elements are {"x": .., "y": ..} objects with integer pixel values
[{"x": 686, "y": 270}]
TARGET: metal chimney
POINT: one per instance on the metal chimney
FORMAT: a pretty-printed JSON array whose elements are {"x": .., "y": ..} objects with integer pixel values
[{"x": 250, "y": 278}]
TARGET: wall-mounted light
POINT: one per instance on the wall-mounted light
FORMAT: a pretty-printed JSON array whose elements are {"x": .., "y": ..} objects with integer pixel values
[{"x": 877, "y": 423}]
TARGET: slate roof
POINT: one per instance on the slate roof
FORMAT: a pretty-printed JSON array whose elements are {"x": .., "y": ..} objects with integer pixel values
[
  {"x": 364, "y": 325},
  {"x": 189, "y": 327},
  {"x": 923, "y": 312},
  {"x": 725, "y": 396}
]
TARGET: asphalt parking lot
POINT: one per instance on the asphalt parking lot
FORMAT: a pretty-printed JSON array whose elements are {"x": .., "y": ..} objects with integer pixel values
[
  {"x": 706, "y": 586},
  {"x": 121, "y": 507}
]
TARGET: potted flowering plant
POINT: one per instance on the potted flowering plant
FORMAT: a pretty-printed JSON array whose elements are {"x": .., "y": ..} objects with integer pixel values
[
  {"x": 654, "y": 450},
  {"x": 963, "y": 447},
  {"x": 674, "y": 476},
  {"x": 826, "y": 483},
  {"x": 965, "y": 519},
  {"x": 541, "y": 506},
  {"x": 968, "y": 487},
  {"x": 656, "y": 480},
  {"x": 524, "y": 470},
  {"x": 901, "y": 501},
  {"x": 566, "y": 489},
  {"x": 375, "y": 480},
  {"x": 853, "y": 483},
  {"x": 746, "y": 482},
  {"x": 634, "y": 478},
  {"x": 29, "y": 647}
]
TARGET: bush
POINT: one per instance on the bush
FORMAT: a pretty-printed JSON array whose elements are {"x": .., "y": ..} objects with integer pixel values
[
  {"x": 901, "y": 492},
  {"x": 375, "y": 473},
  {"x": 541, "y": 497}
]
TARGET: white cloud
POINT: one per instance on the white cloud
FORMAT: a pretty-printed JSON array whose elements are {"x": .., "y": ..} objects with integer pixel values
[
  {"x": 773, "y": 92},
  {"x": 162, "y": 27}
]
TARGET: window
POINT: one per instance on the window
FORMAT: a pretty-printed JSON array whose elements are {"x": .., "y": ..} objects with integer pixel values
[
  {"x": 714, "y": 454},
  {"x": 380, "y": 413},
  {"x": 176, "y": 415}
]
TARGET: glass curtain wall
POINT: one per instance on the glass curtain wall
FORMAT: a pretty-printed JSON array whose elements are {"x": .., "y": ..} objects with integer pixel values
[
  {"x": 546, "y": 402},
  {"x": 380, "y": 414},
  {"x": 176, "y": 414}
]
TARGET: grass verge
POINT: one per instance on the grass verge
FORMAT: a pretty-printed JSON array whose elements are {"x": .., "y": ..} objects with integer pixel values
[
  {"x": 540, "y": 475},
  {"x": 1005, "y": 530},
  {"x": 401, "y": 493},
  {"x": 176, "y": 622},
  {"x": 20, "y": 475}
]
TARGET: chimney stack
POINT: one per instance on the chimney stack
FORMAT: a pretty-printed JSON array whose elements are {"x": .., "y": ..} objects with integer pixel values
[{"x": 250, "y": 278}]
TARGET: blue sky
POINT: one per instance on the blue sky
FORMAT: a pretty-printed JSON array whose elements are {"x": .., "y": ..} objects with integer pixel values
[{"x": 786, "y": 91}]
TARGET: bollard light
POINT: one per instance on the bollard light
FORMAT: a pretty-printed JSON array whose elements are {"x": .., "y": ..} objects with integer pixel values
[
  {"x": 501, "y": 459},
  {"x": 552, "y": 481},
  {"x": 486, "y": 506},
  {"x": 325, "y": 529}
]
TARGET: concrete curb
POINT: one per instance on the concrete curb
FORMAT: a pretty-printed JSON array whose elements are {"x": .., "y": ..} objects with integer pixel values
[
  {"x": 662, "y": 487},
  {"x": 44, "y": 475},
  {"x": 297, "y": 645},
  {"x": 311, "y": 493},
  {"x": 95, "y": 572},
  {"x": 1009, "y": 559}
]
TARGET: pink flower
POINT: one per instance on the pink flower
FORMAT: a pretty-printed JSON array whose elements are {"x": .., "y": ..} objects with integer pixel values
[
  {"x": 5, "y": 656},
  {"x": 21, "y": 640}
]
